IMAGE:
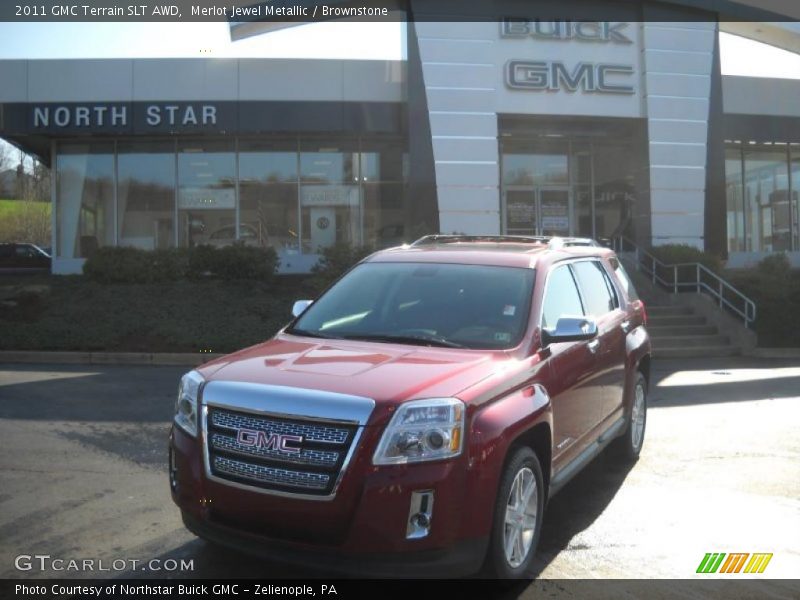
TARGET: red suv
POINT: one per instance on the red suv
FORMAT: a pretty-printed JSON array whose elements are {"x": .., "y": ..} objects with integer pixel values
[{"x": 416, "y": 418}]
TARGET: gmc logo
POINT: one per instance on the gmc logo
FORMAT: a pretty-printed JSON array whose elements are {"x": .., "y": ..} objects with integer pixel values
[
  {"x": 269, "y": 441},
  {"x": 554, "y": 76}
]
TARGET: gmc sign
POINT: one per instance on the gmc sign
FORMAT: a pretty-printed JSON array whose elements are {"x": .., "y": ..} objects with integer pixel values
[{"x": 599, "y": 78}]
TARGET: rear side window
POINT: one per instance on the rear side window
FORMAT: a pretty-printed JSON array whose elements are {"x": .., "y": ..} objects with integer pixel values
[
  {"x": 624, "y": 279},
  {"x": 597, "y": 293},
  {"x": 561, "y": 297}
]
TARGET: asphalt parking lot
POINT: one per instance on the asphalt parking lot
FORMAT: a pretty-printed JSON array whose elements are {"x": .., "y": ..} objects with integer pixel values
[{"x": 83, "y": 469}]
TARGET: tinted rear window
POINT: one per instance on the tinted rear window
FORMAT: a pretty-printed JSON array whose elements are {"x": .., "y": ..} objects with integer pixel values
[
  {"x": 624, "y": 279},
  {"x": 598, "y": 296}
]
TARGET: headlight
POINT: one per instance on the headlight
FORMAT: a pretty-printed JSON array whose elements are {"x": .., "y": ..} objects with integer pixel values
[
  {"x": 422, "y": 430},
  {"x": 186, "y": 404}
]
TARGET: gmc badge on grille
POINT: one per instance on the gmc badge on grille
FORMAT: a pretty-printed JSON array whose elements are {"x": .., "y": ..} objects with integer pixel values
[{"x": 269, "y": 441}]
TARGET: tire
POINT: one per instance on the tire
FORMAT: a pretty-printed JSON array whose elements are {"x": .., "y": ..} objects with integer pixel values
[
  {"x": 629, "y": 445},
  {"x": 521, "y": 470}
]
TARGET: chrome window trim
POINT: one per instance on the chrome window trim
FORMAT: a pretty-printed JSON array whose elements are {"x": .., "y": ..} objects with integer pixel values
[{"x": 323, "y": 407}]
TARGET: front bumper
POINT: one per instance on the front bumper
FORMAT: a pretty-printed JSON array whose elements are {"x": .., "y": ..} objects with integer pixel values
[
  {"x": 464, "y": 558},
  {"x": 361, "y": 530}
]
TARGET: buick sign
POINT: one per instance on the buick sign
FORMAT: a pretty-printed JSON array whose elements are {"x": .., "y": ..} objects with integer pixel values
[{"x": 584, "y": 31}]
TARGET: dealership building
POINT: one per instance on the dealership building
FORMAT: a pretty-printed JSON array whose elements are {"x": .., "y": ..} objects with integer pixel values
[{"x": 523, "y": 126}]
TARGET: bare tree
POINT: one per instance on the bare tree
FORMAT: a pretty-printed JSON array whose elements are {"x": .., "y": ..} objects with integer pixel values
[
  {"x": 5, "y": 154},
  {"x": 5, "y": 163},
  {"x": 29, "y": 220}
]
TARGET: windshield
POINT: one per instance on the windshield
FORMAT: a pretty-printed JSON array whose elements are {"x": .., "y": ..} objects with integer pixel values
[{"x": 448, "y": 305}]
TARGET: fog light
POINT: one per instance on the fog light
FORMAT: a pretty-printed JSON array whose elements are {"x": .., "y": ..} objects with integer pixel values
[{"x": 419, "y": 515}]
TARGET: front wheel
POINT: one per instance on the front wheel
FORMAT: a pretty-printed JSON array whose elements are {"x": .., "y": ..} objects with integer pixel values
[
  {"x": 518, "y": 513},
  {"x": 629, "y": 445}
]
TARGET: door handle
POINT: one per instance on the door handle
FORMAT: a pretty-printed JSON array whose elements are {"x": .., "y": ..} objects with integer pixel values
[
  {"x": 626, "y": 325},
  {"x": 593, "y": 346}
]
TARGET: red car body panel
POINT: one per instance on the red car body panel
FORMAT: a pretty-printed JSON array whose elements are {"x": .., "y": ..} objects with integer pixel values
[{"x": 550, "y": 393}]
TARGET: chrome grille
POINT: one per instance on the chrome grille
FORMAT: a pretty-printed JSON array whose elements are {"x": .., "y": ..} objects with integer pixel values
[
  {"x": 306, "y": 456},
  {"x": 312, "y": 468},
  {"x": 271, "y": 475},
  {"x": 312, "y": 432}
]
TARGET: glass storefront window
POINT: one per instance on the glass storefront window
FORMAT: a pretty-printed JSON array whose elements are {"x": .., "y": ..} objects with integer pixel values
[
  {"x": 734, "y": 198},
  {"x": 766, "y": 185},
  {"x": 384, "y": 214},
  {"x": 795, "y": 186},
  {"x": 146, "y": 194},
  {"x": 576, "y": 186},
  {"x": 268, "y": 195},
  {"x": 762, "y": 197},
  {"x": 330, "y": 194},
  {"x": 614, "y": 190},
  {"x": 293, "y": 194},
  {"x": 206, "y": 193},
  {"x": 85, "y": 198},
  {"x": 535, "y": 169}
]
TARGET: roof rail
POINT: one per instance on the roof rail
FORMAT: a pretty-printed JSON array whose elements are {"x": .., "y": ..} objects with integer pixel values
[{"x": 552, "y": 242}]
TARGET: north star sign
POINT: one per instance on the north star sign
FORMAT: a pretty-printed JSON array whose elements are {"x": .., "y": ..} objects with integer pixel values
[{"x": 117, "y": 115}]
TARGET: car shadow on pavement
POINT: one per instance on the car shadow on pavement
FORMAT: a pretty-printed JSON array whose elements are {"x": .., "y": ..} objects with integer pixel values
[
  {"x": 578, "y": 505},
  {"x": 212, "y": 561}
]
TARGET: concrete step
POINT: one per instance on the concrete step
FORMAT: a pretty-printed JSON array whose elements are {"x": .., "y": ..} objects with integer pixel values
[
  {"x": 689, "y": 341},
  {"x": 696, "y": 351},
  {"x": 661, "y": 330},
  {"x": 668, "y": 311},
  {"x": 674, "y": 320}
]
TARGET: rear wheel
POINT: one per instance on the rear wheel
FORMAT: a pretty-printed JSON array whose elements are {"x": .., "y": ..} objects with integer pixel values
[
  {"x": 518, "y": 513},
  {"x": 629, "y": 445}
]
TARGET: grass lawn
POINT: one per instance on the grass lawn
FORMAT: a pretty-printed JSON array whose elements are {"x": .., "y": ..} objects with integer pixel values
[
  {"x": 76, "y": 314},
  {"x": 9, "y": 208}
]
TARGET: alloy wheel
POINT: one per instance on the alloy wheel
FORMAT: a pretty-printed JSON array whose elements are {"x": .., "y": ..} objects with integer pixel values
[{"x": 520, "y": 518}]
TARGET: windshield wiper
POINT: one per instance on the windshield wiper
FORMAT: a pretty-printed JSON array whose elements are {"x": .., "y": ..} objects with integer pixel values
[{"x": 404, "y": 339}]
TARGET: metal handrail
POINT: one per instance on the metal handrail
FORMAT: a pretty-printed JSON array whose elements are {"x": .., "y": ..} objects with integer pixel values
[{"x": 649, "y": 264}]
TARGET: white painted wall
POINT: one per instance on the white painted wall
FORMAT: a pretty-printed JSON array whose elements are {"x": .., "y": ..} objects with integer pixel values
[
  {"x": 459, "y": 76},
  {"x": 677, "y": 60}
]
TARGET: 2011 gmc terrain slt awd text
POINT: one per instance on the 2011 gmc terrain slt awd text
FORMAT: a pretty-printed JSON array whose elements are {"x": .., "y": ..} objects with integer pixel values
[{"x": 416, "y": 418}]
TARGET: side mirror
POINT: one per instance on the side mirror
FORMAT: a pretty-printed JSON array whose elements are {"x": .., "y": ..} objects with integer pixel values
[
  {"x": 300, "y": 306},
  {"x": 570, "y": 329}
]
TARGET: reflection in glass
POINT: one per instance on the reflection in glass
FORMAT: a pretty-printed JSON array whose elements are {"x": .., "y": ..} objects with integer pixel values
[
  {"x": 330, "y": 194},
  {"x": 614, "y": 191},
  {"x": 85, "y": 198},
  {"x": 206, "y": 193},
  {"x": 534, "y": 169},
  {"x": 296, "y": 195},
  {"x": 384, "y": 215},
  {"x": 146, "y": 194},
  {"x": 268, "y": 195},
  {"x": 795, "y": 186},
  {"x": 734, "y": 198},
  {"x": 766, "y": 185}
]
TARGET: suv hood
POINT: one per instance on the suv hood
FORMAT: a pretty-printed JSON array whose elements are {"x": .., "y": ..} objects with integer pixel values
[{"x": 388, "y": 373}]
